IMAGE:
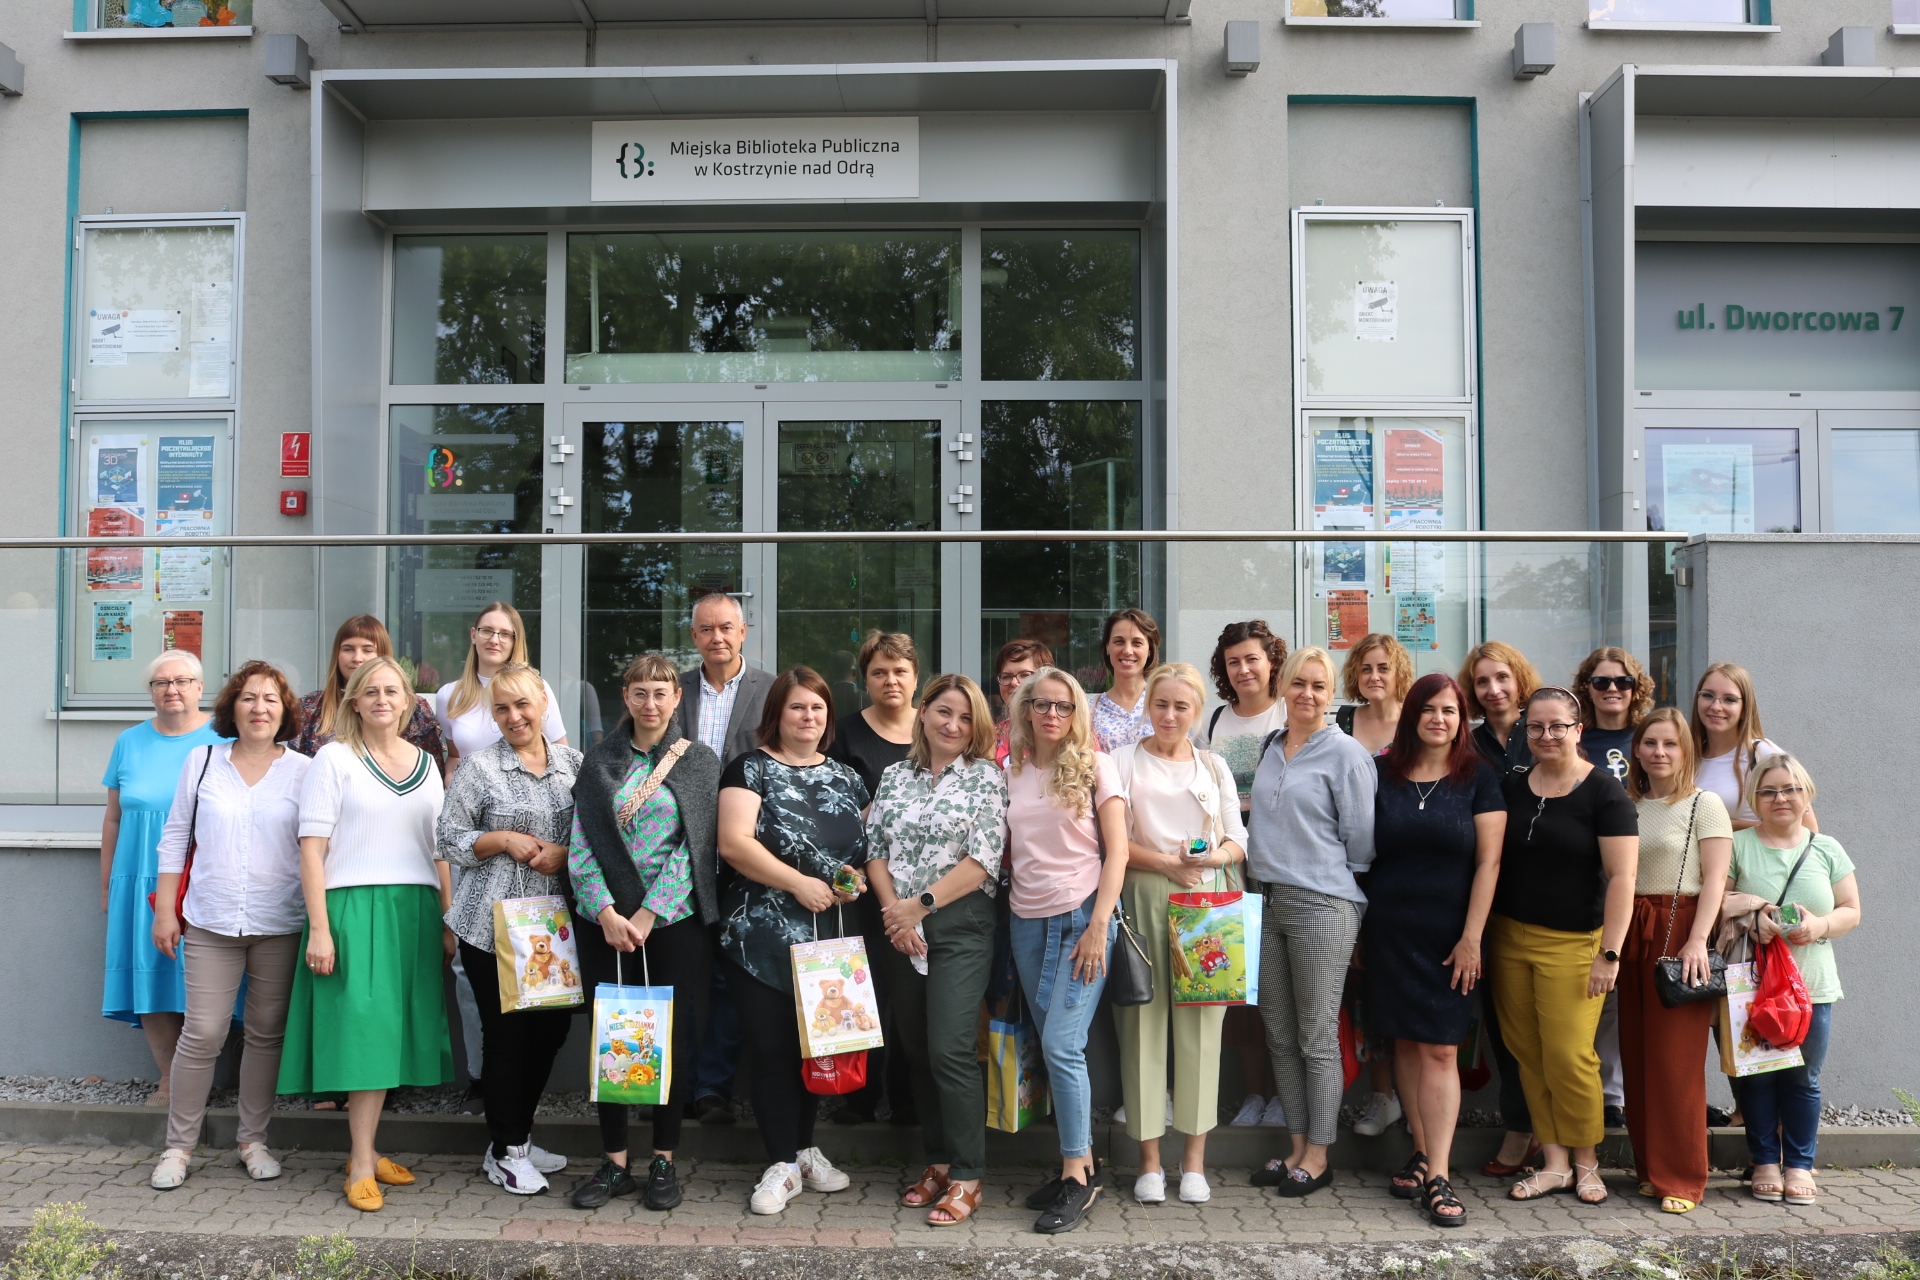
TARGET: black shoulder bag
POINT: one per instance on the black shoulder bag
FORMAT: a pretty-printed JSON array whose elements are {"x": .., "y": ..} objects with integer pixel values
[
  {"x": 1669, "y": 972},
  {"x": 1129, "y": 971}
]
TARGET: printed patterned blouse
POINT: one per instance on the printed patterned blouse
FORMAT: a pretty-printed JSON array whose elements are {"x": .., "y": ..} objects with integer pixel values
[
  {"x": 1115, "y": 726},
  {"x": 655, "y": 841},
  {"x": 810, "y": 820},
  {"x": 423, "y": 730},
  {"x": 493, "y": 790},
  {"x": 925, "y": 826}
]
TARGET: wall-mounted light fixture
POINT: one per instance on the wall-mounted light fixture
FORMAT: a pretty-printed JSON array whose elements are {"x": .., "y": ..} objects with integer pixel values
[
  {"x": 13, "y": 76},
  {"x": 1532, "y": 50},
  {"x": 1243, "y": 47},
  {"x": 288, "y": 62}
]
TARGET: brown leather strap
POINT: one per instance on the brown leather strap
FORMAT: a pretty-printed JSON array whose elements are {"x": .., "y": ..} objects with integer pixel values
[{"x": 644, "y": 792}]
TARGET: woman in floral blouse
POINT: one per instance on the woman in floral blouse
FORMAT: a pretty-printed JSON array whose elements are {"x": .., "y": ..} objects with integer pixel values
[
  {"x": 936, "y": 832},
  {"x": 508, "y": 809},
  {"x": 642, "y": 865},
  {"x": 789, "y": 823},
  {"x": 359, "y": 638}
]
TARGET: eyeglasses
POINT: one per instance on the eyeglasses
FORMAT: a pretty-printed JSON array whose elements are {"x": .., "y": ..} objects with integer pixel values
[
  {"x": 1556, "y": 730},
  {"x": 1604, "y": 683},
  {"x": 1051, "y": 708},
  {"x": 1013, "y": 677},
  {"x": 1724, "y": 699},
  {"x": 1777, "y": 793},
  {"x": 178, "y": 682},
  {"x": 488, "y": 633}
]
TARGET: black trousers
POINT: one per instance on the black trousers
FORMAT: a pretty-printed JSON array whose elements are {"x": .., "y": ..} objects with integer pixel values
[
  {"x": 678, "y": 955},
  {"x": 516, "y": 1052},
  {"x": 782, "y": 1107}
]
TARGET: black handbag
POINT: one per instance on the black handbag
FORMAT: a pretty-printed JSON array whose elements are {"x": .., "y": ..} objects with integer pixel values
[
  {"x": 1129, "y": 971},
  {"x": 1669, "y": 972}
]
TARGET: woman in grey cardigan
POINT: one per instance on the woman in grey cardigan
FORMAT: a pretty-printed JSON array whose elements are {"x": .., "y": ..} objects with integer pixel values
[
  {"x": 642, "y": 862},
  {"x": 1310, "y": 832}
]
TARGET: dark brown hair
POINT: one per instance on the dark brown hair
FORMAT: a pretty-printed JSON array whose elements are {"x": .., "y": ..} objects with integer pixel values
[
  {"x": 1462, "y": 758},
  {"x": 1236, "y": 633},
  {"x": 1148, "y": 628},
  {"x": 1642, "y": 685},
  {"x": 361, "y": 626},
  {"x": 1397, "y": 657},
  {"x": 891, "y": 644},
  {"x": 783, "y": 684},
  {"x": 223, "y": 722},
  {"x": 1024, "y": 647}
]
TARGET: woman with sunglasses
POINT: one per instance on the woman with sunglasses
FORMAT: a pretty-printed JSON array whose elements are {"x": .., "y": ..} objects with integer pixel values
[
  {"x": 1560, "y": 917},
  {"x": 1615, "y": 695}
]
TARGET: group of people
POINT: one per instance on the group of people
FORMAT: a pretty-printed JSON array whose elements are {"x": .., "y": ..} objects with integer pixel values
[{"x": 1441, "y": 854}]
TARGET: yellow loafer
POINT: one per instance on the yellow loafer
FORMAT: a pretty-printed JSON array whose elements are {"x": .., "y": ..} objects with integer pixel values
[
  {"x": 1677, "y": 1204},
  {"x": 394, "y": 1175},
  {"x": 365, "y": 1196}
]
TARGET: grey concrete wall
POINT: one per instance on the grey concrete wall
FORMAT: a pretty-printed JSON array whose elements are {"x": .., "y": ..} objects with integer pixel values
[{"x": 1819, "y": 621}]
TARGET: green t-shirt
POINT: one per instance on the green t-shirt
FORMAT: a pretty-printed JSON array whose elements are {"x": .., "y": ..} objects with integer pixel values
[{"x": 1760, "y": 870}]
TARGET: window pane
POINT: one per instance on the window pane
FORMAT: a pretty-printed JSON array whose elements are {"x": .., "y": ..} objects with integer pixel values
[
  {"x": 157, "y": 314},
  {"x": 1723, "y": 481},
  {"x": 1060, "y": 305},
  {"x": 1876, "y": 481},
  {"x": 1667, "y": 11},
  {"x": 764, "y": 306},
  {"x": 654, "y": 477},
  {"x": 846, "y": 477},
  {"x": 1385, "y": 309},
  {"x": 460, "y": 468},
  {"x": 469, "y": 309},
  {"x": 1373, "y": 9},
  {"x": 1906, "y": 12},
  {"x": 176, "y": 13},
  {"x": 1063, "y": 464}
]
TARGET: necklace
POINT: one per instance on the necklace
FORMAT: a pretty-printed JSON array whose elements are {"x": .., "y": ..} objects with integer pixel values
[{"x": 1428, "y": 792}]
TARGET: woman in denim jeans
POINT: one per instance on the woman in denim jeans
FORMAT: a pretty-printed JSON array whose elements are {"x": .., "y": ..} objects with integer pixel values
[
  {"x": 1821, "y": 901},
  {"x": 1067, "y": 845}
]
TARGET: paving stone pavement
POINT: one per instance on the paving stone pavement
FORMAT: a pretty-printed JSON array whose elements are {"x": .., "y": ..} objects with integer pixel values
[{"x": 452, "y": 1201}]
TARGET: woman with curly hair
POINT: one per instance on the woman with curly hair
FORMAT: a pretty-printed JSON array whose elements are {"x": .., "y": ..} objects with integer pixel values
[
  {"x": 1246, "y": 674},
  {"x": 1067, "y": 843},
  {"x": 1373, "y": 681},
  {"x": 1615, "y": 695}
]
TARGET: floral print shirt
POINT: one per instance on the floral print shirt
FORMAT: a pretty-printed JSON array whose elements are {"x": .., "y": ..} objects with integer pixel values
[
  {"x": 423, "y": 730},
  {"x": 656, "y": 842},
  {"x": 810, "y": 820},
  {"x": 924, "y": 826},
  {"x": 493, "y": 790},
  {"x": 1115, "y": 726}
]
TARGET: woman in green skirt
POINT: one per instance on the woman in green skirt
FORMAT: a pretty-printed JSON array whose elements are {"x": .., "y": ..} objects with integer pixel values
[{"x": 367, "y": 1014}]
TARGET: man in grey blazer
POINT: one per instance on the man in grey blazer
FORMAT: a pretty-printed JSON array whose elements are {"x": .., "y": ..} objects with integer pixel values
[{"x": 721, "y": 700}]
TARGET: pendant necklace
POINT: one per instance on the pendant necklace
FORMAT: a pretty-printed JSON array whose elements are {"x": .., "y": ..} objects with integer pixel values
[{"x": 1428, "y": 792}]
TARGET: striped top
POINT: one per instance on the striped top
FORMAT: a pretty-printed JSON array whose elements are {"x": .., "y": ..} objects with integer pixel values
[{"x": 379, "y": 830}]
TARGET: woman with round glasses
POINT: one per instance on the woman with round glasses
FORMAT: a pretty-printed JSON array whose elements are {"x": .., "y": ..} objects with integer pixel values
[
  {"x": 1807, "y": 882},
  {"x": 1615, "y": 695},
  {"x": 1560, "y": 917},
  {"x": 498, "y": 637},
  {"x": 1729, "y": 740}
]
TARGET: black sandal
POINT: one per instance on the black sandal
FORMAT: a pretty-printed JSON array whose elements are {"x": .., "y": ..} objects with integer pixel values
[
  {"x": 1406, "y": 1184},
  {"x": 1438, "y": 1194}
]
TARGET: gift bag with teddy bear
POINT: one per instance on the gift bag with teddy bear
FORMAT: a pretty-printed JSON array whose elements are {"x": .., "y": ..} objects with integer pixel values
[
  {"x": 833, "y": 997},
  {"x": 534, "y": 948}
]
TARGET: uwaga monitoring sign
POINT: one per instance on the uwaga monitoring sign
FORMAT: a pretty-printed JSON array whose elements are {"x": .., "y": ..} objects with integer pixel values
[{"x": 836, "y": 158}]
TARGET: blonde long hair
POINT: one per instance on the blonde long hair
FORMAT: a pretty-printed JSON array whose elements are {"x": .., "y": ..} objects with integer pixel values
[
  {"x": 346, "y": 719},
  {"x": 466, "y": 690},
  {"x": 1070, "y": 781}
]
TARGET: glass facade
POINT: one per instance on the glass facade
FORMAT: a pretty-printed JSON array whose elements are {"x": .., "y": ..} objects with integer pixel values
[
  {"x": 469, "y": 309},
  {"x": 157, "y": 313},
  {"x": 1060, "y": 305}
]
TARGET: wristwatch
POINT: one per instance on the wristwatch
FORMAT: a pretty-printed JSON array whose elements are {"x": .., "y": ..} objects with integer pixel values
[
  {"x": 1610, "y": 956},
  {"x": 926, "y": 900}
]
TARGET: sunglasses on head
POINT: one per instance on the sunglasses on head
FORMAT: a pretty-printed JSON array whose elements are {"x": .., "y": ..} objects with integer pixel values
[{"x": 1603, "y": 683}]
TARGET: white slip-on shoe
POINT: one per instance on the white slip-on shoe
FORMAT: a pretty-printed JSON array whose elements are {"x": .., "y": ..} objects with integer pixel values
[
  {"x": 1381, "y": 1110},
  {"x": 1249, "y": 1113},
  {"x": 818, "y": 1174},
  {"x": 545, "y": 1161},
  {"x": 1275, "y": 1116},
  {"x": 1194, "y": 1188},
  {"x": 1150, "y": 1188},
  {"x": 514, "y": 1171},
  {"x": 259, "y": 1161},
  {"x": 777, "y": 1185},
  {"x": 171, "y": 1171}
]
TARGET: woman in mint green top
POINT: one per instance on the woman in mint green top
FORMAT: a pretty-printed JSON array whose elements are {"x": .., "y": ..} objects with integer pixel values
[{"x": 1820, "y": 901}]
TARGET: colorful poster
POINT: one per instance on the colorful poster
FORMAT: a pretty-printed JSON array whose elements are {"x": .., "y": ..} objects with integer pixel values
[
  {"x": 1342, "y": 478},
  {"x": 115, "y": 568},
  {"x": 185, "y": 573},
  {"x": 118, "y": 462},
  {"x": 184, "y": 473},
  {"x": 1343, "y": 563},
  {"x": 1709, "y": 487},
  {"x": 1414, "y": 622},
  {"x": 180, "y": 629},
  {"x": 113, "y": 631},
  {"x": 1414, "y": 469},
  {"x": 1417, "y": 566},
  {"x": 1376, "y": 311},
  {"x": 1346, "y": 618}
]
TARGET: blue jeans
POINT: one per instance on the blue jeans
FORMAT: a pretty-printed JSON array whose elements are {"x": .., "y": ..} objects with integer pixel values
[
  {"x": 1062, "y": 1009},
  {"x": 1783, "y": 1107},
  {"x": 720, "y": 1047}
]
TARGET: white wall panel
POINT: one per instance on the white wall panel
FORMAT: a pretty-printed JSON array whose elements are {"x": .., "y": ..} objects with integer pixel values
[{"x": 1785, "y": 164}]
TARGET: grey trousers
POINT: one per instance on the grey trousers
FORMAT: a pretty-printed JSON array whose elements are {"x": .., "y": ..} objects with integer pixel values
[
  {"x": 1306, "y": 943},
  {"x": 214, "y": 965}
]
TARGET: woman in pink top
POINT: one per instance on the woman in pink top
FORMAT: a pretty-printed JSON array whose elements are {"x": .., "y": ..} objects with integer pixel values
[{"x": 1067, "y": 845}]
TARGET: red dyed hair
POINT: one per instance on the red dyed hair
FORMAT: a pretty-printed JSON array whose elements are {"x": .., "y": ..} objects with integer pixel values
[{"x": 1462, "y": 759}]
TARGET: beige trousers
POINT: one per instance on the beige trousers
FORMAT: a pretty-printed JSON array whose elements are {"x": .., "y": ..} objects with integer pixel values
[
  {"x": 1144, "y": 1030},
  {"x": 214, "y": 964}
]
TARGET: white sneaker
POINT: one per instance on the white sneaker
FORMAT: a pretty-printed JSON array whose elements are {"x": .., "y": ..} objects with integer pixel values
[
  {"x": 545, "y": 1161},
  {"x": 1275, "y": 1115},
  {"x": 1120, "y": 1114},
  {"x": 514, "y": 1171},
  {"x": 1194, "y": 1188},
  {"x": 1249, "y": 1113},
  {"x": 1382, "y": 1109},
  {"x": 777, "y": 1185},
  {"x": 1150, "y": 1188},
  {"x": 818, "y": 1174}
]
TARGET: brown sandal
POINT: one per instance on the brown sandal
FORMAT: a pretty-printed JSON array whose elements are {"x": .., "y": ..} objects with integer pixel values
[
  {"x": 923, "y": 1194},
  {"x": 959, "y": 1204}
]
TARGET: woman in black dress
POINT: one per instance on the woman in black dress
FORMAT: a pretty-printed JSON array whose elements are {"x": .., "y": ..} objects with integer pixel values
[{"x": 1438, "y": 823}]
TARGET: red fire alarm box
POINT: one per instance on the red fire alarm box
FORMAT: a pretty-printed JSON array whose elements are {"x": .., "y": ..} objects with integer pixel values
[
  {"x": 293, "y": 502},
  {"x": 296, "y": 453}
]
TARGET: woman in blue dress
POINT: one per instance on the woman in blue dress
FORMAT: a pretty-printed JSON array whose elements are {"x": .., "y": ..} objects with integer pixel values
[{"x": 143, "y": 987}]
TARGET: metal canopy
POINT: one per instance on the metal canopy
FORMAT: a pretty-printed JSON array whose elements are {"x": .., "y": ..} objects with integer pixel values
[
  {"x": 522, "y": 15},
  {"x": 615, "y": 92},
  {"x": 1778, "y": 92}
]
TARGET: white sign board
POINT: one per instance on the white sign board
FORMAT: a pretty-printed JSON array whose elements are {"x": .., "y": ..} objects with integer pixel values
[
  {"x": 830, "y": 158},
  {"x": 1376, "y": 310}
]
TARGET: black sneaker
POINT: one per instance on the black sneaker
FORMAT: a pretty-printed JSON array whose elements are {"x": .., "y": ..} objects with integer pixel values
[
  {"x": 1075, "y": 1203},
  {"x": 1614, "y": 1117},
  {"x": 473, "y": 1104},
  {"x": 663, "y": 1185},
  {"x": 1049, "y": 1195},
  {"x": 714, "y": 1109},
  {"x": 608, "y": 1181}
]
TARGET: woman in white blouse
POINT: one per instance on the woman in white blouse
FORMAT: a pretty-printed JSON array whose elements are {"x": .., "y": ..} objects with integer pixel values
[
  {"x": 498, "y": 637},
  {"x": 1176, "y": 794},
  {"x": 238, "y": 808}
]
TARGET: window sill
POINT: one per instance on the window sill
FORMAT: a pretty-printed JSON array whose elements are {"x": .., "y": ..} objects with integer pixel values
[
  {"x": 163, "y": 33},
  {"x": 49, "y": 840},
  {"x": 1699, "y": 28},
  {"x": 1434, "y": 24},
  {"x": 1905, "y": 28}
]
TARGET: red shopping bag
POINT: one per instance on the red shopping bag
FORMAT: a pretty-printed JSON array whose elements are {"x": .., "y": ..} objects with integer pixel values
[
  {"x": 1349, "y": 1049},
  {"x": 837, "y": 1073},
  {"x": 1782, "y": 1010}
]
